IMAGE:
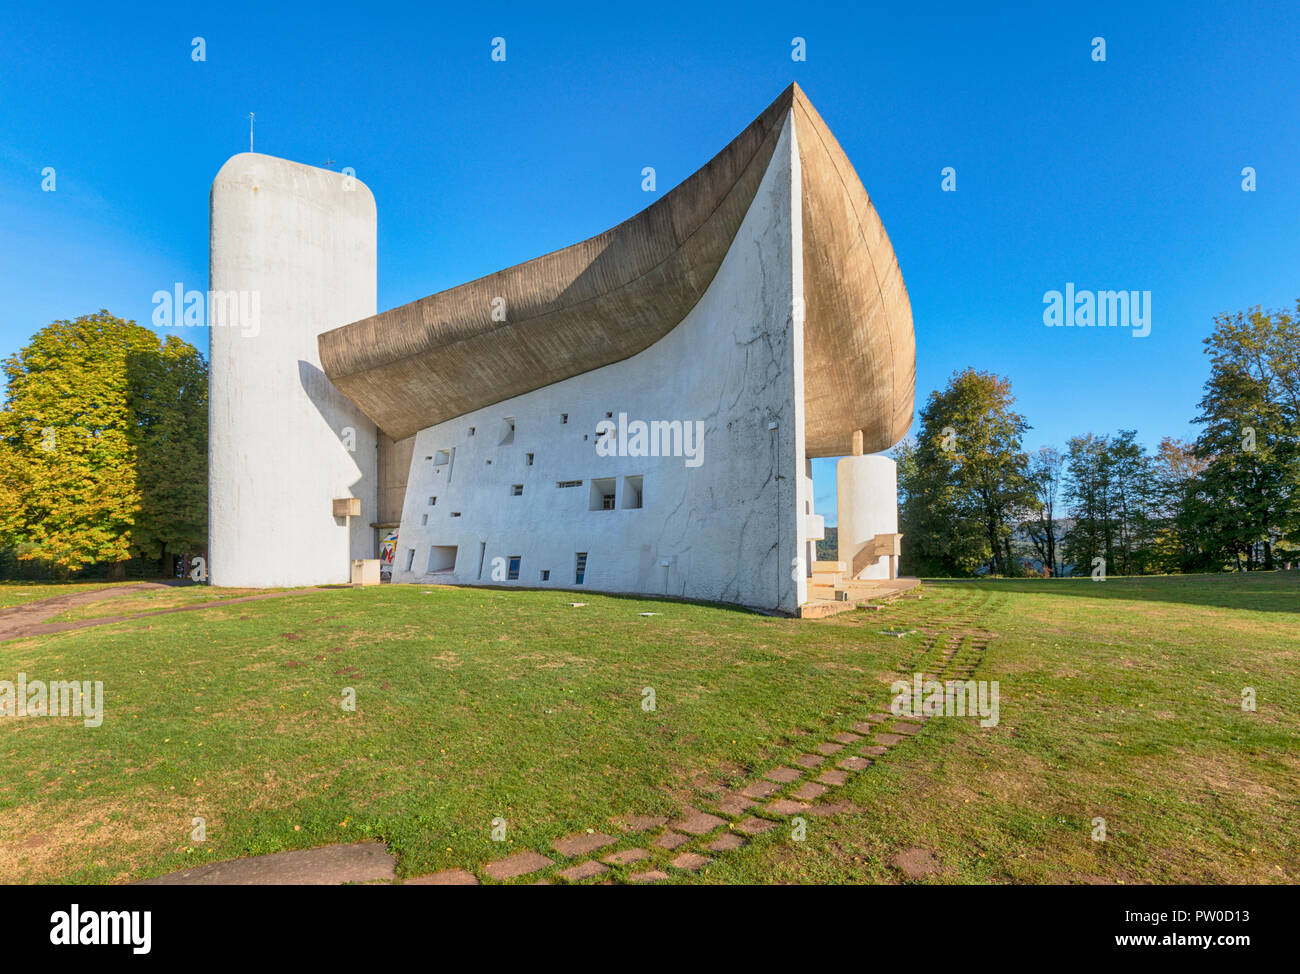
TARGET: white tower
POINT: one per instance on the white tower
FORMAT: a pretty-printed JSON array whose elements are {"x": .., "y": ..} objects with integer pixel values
[{"x": 293, "y": 248}]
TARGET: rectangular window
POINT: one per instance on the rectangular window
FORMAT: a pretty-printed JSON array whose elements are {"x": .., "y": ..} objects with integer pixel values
[
  {"x": 410, "y": 558},
  {"x": 507, "y": 430},
  {"x": 442, "y": 558},
  {"x": 512, "y": 568},
  {"x": 471, "y": 431},
  {"x": 579, "y": 567},
  {"x": 424, "y": 519},
  {"x": 546, "y": 575},
  {"x": 568, "y": 483},
  {"x": 516, "y": 490},
  {"x": 602, "y": 494},
  {"x": 432, "y": 501},
  {"x": 564, "y": 417},
  {"x": 441, "y": 458},
  {"x": 530, "y": 459},
  {"x": 455, "y": 513}
]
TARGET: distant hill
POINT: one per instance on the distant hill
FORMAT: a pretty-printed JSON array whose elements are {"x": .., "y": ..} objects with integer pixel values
[{"x": 829, "y": 545}]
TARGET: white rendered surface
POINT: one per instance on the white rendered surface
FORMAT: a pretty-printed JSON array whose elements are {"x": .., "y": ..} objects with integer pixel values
[
  {"x": 732, "y": 529},
  {"x": 867, "y": 500},
  {"x": 305, "y": 243}
]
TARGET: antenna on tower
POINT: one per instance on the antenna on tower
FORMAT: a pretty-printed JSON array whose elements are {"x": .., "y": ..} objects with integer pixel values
[{"x": 250, "y": 131}]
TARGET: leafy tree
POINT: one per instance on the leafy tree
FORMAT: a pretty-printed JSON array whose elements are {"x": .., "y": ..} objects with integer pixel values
[
  {"x": 966, "y": 479},
  {"x": 100, "y": 443},
  {"x": 1044, "y": 476},
  {"x": 1250, "y": 440}
]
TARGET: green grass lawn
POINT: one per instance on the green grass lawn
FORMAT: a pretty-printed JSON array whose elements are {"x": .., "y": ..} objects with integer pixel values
[{"x": 1118, "y": 699}]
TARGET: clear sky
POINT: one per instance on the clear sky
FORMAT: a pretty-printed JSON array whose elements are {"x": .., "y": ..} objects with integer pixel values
[{"x": 1117, "y": 175}]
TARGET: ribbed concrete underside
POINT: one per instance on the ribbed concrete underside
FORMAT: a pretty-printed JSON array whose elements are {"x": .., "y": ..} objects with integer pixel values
[{"x": 607, "y": 298}]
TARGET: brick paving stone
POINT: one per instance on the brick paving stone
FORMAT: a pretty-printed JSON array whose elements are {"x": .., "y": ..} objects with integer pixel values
[
  {"x": 520, "y": 864},
  {"x": 648, "y": 876},
  {"x": 760, "y": 789},
  {"x": 584, "y": 870},
  {"x": 690, "y": 861},
  {"x": 879, "y": 718},
  {"x": 644, "y": 823},
  {"x": 726, "y": 842},
  {"x": 834, "y": 777},
  {"x": 810, "y": 791},
  {"x": 755, "y": 826},
  {"x": 809, "y": 760},
  {"x": 580, "y": 843},
  {"x": 826, "y": 747},
  {"x": 901, "y": 728},
  {"x": 875, "y": 751},
  {"x": 888, "y": 740},
  {"x": 448, "y": 877},
  {"x": 862, "y": 727},
  {"x": 733, "y": 804},
  {"x": 626, "y": 857},
  {"x": 697, "y": 823},
  {"x": 783, "y": 775},
  {"x": 846, "y": 737},
  {"x": 670, "y": 840},
  {"x": 831, "y": 808},
  {"x": 854, "y": 764},
  {"x": 783, "y": 806}
]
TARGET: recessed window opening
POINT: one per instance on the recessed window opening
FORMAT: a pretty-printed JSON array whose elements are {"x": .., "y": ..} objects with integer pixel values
[
  {"x": 441, "y": 458},
  {"x": 564, "y": 417},
  {"x": 602, "y": 494},
  {"x": 442, "y": 558},
  {"x": 529, "y": 459},
  {"x": 410, "y": 558},
  {"x": 516, "y": 490},
  {"x": 546, "y": 574},
  {"x": 507, "y": 430},
  {"x": 568, "y": 483},
  {"x": 512, "y": 568},
  {"x": 579, "y": 567}
]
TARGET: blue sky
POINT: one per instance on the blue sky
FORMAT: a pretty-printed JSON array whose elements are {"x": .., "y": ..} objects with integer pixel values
[{"x": 1123, "y": 174}]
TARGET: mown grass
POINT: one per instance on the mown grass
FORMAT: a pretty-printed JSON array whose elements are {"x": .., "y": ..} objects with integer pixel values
[
  {"x": 150, "y": 600},
  {"x": 1119, "y": 699}
]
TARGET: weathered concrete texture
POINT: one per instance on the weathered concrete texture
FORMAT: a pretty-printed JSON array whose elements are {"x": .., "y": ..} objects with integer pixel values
[
  {"x": 361, "y": 862},
  {"x": 606, "y": 299},
  {"x": 728, "y": 529},
  {"x": 301, "y": 241}
]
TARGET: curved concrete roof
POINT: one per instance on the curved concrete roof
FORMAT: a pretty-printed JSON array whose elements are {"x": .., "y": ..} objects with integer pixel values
[{"x": 609, "y": 297}]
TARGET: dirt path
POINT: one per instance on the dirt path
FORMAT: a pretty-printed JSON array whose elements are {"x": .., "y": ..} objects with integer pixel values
[{"x": 29, "y": 619}]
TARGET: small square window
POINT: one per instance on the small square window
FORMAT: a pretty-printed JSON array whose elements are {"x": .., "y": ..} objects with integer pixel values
[
  {"x": 441, "y": 458},
  {"x": 512, "y": 568},
  {"x": 432, "y": 501},
  {"x": 546, "y": 575},
  {"x": 516, "y": 490}
]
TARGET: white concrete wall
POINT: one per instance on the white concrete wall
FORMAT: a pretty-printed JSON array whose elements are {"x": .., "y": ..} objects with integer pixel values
[
  {"x": 867, "y": 500},
  {"x": 731, "y": 529},
  {"x": 305, "y": 243}
]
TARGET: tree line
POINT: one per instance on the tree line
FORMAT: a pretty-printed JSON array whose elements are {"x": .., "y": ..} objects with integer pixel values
[
  {"x": 973, "y": 501},
  {"x": 103, "y": 449}
]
